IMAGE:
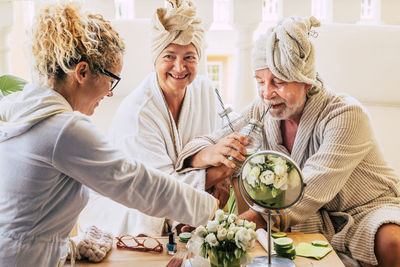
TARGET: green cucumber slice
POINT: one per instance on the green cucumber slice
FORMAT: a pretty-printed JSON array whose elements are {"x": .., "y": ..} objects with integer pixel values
[
  {"x": 283, "y": 242},
  {"x": 278, "y": 234},
  {"x": 184, "y": 237},
  {"x": 319, "y": 243}
]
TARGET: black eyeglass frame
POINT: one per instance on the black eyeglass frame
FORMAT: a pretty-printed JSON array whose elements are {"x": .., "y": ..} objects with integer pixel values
[{"x": 112, "y": 75}]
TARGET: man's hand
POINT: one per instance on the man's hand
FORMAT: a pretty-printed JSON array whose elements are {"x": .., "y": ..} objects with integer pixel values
[
  {"x": 221, "y": 191},
  {"x": 232, "y": 145},
  {"x": 253, "y": 216},
  {"x": 215, "y": 175}
]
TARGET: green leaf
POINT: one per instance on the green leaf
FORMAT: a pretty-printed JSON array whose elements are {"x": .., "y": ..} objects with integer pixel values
[
  {"x": 10, "y": 84},
  {"x": 274, "y": 192},
  {"x": 232, "y": 202}
]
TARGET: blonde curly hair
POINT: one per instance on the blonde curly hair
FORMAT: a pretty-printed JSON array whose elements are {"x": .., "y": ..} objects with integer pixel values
[{"x": 63, "y": 36}]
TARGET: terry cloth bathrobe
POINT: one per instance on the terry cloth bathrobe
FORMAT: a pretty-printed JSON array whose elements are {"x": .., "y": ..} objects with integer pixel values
[
  {"x": 143, "y": 127},
  {"x": 351, "y": 190},
  {"x": 48, "y": 155}
]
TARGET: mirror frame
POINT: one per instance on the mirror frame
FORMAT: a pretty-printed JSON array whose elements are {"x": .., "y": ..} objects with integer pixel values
[{"x": 256, "y": 206}]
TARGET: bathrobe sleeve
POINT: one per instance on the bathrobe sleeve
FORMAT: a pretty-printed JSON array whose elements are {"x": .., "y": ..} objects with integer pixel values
[
  {"x": 152, "y": 143},
  {"x": 82, "y": 153},
  {"x": 197, "y": 144}
]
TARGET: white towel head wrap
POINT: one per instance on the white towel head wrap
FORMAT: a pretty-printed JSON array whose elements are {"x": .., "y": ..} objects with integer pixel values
[
  {"x": 287, "y": 51},
  {"x": 176, "y": 25}
]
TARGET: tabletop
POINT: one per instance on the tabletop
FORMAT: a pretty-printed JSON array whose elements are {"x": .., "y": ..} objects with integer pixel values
[{"x": 124, "y": 258}]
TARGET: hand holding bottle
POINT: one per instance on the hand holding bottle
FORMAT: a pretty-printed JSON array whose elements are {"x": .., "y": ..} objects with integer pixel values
[{"x": 232, "y": 145}]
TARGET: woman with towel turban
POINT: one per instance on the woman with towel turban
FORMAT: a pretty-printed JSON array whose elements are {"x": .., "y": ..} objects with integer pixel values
[
  {"x": 170, "y": 107},
  {"x": 51, "y": 153},
  {"x": 352, "y": 196}
]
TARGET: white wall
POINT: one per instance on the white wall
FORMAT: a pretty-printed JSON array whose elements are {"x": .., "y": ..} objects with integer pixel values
[{"x": 359, "y": 60}]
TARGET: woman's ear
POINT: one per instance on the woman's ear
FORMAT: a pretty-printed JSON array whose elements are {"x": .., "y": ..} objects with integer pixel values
[{"x": 81, "y": 71}]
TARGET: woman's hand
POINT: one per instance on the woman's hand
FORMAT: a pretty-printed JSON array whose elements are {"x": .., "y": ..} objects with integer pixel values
[
  {"x": 232, "y": 145},
  {"x": 215, "y": 175}
]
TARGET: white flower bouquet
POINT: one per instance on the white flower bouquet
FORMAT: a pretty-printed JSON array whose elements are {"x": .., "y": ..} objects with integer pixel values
[
  {"x": 267, "y": 177},
  {"x": 224, "y": 241}
]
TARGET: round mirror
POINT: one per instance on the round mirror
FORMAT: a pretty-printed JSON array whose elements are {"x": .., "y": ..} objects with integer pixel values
[{"x": 271, "y": 180}]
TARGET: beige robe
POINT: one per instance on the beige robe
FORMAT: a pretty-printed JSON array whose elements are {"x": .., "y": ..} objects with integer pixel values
[{"x": 350, "y": 190}]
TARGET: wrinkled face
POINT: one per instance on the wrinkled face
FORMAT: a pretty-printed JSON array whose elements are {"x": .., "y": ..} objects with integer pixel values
[
  {"x": 287, "y": 98},
  {"x": 176, "y": 67},
  {"x": 97, "y": 87}
]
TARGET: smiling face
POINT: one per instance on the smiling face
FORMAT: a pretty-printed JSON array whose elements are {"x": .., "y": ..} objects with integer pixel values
[
  {"x": 92, "y": 88},
  {"x": 176, "y": 67},
  {"x": 287, "y": 98}
]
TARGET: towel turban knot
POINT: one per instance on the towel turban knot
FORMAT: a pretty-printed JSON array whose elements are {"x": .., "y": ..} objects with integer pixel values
[
  {"x": 287, "y": 51},
  {"x": 176, "y": 25}
]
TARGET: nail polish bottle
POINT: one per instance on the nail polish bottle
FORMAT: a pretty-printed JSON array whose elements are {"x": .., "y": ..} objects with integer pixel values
[{"x": 171, "y": 245}]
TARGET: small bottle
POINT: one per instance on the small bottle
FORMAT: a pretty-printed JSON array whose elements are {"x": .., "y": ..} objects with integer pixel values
[
  {"x": 171, "y": 245},
  {"x": 253, "y": 132},
  {"x": 228, "y": 113}
]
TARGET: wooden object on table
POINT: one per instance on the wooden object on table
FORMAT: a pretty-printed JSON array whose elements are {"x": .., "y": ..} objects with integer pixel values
[
  {"x": 330, "y": 260},
  {"x": 126, "y": 258}
]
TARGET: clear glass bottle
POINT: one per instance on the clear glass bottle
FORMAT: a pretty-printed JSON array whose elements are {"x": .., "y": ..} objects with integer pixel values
[
  {"x": 228, "y": 113},
  {"x": 254, "y": 135}
]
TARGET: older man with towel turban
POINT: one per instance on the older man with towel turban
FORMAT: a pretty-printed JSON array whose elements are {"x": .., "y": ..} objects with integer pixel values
[
  {"x": 170, "y": 107},
  {"x": 352, "y": 196}
]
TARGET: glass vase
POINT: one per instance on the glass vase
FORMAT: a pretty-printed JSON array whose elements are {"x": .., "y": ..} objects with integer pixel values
[{"x": 218, "y": 260}]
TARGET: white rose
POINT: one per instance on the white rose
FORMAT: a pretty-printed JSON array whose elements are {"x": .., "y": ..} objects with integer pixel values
[
  {"x": 281, "y": 181},
  {"x": 252, "y": 233},
  {"x": 258, "y": 159},
  {"x": 230, "y": 235},
  {"x": 200, "y": 231},
  {"x": 219, "y": 215},
  {"x": 246, "y": 170},
  {"x": 267, "y": 177},
  {"x": 222, "y": 234},
  {"x": 249, "y": 225},
  {"x": 212, "y": 240},
  {"x": 232, "y": 218},
  {"x": 242, "y": 239},
  {"x": 240, "y": 222},
  {"x": 280, "y": 169},
  {"x": 212, "y": 226},
  {"x": 253, "y": 176}
]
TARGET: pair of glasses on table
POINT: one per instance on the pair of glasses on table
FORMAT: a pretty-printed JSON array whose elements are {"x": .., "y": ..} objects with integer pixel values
[{"x": 141, "y": 242}]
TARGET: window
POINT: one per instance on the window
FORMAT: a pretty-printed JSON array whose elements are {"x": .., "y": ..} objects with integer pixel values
[
  {"x": 222, "y": 15},
  {"x": 370, "y": 11},
  {"x": 123, "y": 9},
  {"x": 214, "y": 70},
  {"x": 322, "y": 10},
  {"x": 271, "y": 10}
]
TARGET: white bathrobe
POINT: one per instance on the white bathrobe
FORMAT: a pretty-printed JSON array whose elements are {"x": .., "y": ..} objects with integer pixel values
[
  {"x": 351, "y": 190},
  {"x": 48, "y": 155},
  {"x": 143, "y": 128}
]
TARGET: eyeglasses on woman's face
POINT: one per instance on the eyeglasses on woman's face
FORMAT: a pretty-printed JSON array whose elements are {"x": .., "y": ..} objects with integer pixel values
[{"x": 112, "y": 75}]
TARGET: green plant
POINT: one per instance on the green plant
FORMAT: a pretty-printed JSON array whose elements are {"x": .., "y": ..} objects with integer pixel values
[{"x": 10, "y": 84}]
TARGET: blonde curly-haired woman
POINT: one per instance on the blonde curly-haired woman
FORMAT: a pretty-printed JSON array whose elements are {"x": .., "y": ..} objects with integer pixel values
[{"x": 50, "y": 152}]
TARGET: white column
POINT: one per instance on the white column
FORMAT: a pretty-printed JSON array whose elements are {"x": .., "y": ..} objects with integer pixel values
[
  {"x": 6, "y": 15},
  {"x": 205, "y": 10},
  {"x": 244, "y": 25}
]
